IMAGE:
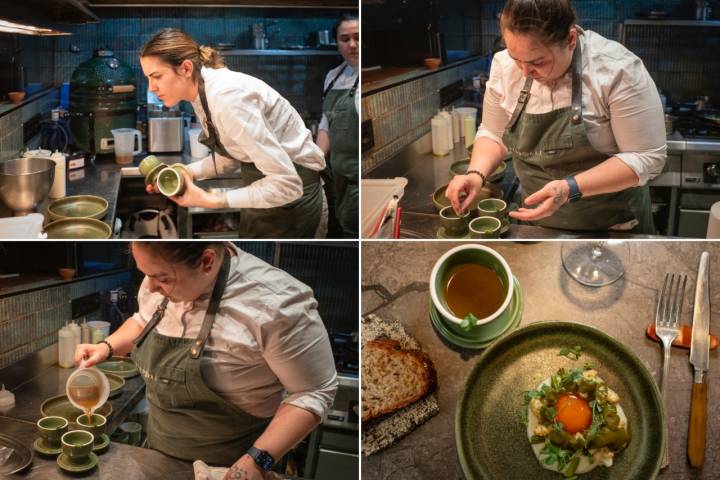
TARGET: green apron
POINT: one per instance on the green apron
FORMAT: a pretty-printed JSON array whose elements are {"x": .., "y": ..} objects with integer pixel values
[
  {"x": 339, "y": 108},
  {"x": 187, "y": 420},
  {"x": 550, "y": 146},
  {"x": 297, "y": 219}
]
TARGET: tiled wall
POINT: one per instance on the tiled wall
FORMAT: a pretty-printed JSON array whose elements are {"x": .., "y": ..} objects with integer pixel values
[
  {"x": 11, "y": 124},
  {"x": 126, "y": 30},
  {"x": 402, "y": 114},
  {"x": 29, "y": 321}
]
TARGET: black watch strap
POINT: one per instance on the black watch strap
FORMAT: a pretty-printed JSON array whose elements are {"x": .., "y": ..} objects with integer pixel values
[
  {"x": 575, "y": 193},
  {"x": 262, "y": 458}
]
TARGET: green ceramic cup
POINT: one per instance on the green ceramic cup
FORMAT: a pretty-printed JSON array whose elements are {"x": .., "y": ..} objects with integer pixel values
[
  {"x": 492, "y": 207},
  {"x": 171, "y": 182},
  {"x": 133, "y": 431},
  {"x": 469, "y": 253},
  {"x": 50, "y": 429},
  {"x": 77, "y": 445},
  {"x": 96, "y": 426},
  {"x": 153, "y": 173},
  {"x": 454, "y": 224},
  {"x": 147, "y": 164},
  {"x": 485, "y": 227}
]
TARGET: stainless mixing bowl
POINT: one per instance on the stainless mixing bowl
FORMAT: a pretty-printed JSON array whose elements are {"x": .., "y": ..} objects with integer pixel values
[{"x": 25, "y": 182}]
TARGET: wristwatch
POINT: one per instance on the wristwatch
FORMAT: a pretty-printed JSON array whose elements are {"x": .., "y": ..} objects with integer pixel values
[
  {"x": 575, "y": 193},
  {"x": 262, "y": 458}
]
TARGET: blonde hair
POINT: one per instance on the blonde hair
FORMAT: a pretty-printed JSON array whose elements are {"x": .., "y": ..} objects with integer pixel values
[{"x": 173, "y": 46}]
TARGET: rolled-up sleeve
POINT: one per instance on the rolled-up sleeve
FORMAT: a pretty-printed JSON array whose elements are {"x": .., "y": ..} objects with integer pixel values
[
  {"x": 494, "y": 116},
  {"x": 297, "y": 349},
  {"x": 637, "y": 122}
]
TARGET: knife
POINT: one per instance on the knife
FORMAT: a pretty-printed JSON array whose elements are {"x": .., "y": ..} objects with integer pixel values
[{"x": 699, "y": 358}]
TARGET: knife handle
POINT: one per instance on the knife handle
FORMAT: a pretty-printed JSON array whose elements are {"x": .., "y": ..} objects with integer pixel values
[{"x": 698, "y": 424}]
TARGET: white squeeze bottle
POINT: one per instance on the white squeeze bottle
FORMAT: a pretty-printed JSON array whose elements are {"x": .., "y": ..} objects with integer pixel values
[
  {"x": 470, "y": 130},
  {"x": 84, "y": 332},
  {"x": 457, "y": 130},
  {"x": 58, "y": 187},
  {"x": 448, "y": 121},
  {"x": 77, "y": 333},
  {"x": 66, "y": 347},
  {"x": 439, "y": 136}
]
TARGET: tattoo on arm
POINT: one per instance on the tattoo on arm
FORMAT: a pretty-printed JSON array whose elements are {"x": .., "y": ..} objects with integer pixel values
[
  {"x": 557, "y": 196},
  {"x": 237, "y": 473}
]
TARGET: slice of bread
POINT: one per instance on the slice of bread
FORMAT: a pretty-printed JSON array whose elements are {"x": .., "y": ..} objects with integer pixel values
[{"x": 393, "y": 378}]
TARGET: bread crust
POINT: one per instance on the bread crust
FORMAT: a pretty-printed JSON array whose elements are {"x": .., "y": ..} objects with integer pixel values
[{"x": 393, "y": 378}]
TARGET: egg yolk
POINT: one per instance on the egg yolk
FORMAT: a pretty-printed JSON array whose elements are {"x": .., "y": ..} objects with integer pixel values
[{"x": 573, "y": 412}]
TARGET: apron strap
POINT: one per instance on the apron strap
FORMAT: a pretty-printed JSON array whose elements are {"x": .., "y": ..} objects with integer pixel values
[
  {"x": 332, "y": 83},
  {"x": 213, "y": 137},
  {"x": 157, "y": 316},
  {"x": 522, "y": 101},
  {"x": 212, "y": 309},
  {"x": 576, "y": 117}
]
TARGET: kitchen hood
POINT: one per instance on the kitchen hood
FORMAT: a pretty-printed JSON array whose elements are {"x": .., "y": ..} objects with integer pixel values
[{"x": 45, "y": 14}]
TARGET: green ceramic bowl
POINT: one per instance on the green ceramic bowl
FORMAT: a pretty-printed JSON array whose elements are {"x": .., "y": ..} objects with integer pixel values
[
  {"x": 492, "y": 441},
  {"x": 77, "y": 445},
  {"x": 469, "y": 253},
  {"x": 454, "y": 224},
  {"x": 50, "y": 429},
  {"x": 492, "y": 207},
  {"x": 147, "y": 164},
  {"x": 170, "y": 182},
  {"x": 441, "y": 201},
  {"x": 96, "y": 425},
  {"x": 485, "y": 227}
]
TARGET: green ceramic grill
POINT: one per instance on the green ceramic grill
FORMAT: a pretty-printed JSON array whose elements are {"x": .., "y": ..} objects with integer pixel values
[{"x": 102, "y": 97}]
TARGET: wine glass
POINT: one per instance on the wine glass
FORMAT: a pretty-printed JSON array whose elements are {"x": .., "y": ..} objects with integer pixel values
[{"x": 597, "y": 263}]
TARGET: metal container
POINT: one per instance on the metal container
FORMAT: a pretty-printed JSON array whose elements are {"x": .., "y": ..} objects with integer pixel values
[
  {"x": 165, "y": 131},
  {"x": 102, "y": 98},
  {"x": 25, "y": 182}
]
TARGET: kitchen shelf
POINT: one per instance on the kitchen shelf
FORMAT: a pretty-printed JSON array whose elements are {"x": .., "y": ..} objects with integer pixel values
[
  {"x": 282, "y": 53},
  {"x": 675, "y": 23}
]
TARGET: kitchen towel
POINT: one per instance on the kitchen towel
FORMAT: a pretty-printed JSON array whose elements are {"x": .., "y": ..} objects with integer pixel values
[{"x": 381, "y": 433}]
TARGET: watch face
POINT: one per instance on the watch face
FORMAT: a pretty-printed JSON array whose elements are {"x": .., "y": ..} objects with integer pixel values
[{"x": 265, "y": 461}]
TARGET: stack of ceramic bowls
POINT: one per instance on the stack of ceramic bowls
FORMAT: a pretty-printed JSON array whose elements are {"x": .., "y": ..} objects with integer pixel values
[
  {"x": 492, "y": 219},
  {"x": 168, "y": 178},
  {"x": 485, "y": 330}
]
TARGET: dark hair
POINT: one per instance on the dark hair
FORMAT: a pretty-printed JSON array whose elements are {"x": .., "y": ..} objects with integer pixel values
[
  {"x": 182, "y": 252},
  {"x": 173, "y": 46},
  {"x": 549, "y": 19},
  {"x": 345, "y": 17}
]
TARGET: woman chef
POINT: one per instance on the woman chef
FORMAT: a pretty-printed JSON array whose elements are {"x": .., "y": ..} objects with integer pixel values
[
  {"x": 338, "y": 130},
  {"x": 247, "y": 125},
  {"x": 236, "y": 360},
  {"x": 581, "y": 118}
]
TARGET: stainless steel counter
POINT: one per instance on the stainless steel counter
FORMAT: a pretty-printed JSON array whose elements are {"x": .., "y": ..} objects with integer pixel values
[{"x": 119, "y": 462}]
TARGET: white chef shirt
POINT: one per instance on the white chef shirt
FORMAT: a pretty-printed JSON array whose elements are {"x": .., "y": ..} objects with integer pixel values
[
  {"x": 345, "y": 81},
  {"x": 621, "y": 105},
  {"x": 268, "y": 344},
  {"x": 255, "y": 124}
]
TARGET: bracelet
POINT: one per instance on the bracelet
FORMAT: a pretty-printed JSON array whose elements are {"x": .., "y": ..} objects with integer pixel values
[
  {"x": 482, "y": 175},
  {"x": 111, "y": 349}
]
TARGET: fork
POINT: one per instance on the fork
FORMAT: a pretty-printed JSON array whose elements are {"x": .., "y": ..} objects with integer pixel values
[{"x": 667, "y": 327}]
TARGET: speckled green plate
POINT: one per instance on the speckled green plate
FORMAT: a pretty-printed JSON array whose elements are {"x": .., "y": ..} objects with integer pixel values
[
  {"x": 122, "y": 366},
  {"x": 60, "y": 406},
  {"x": 483, "y": 335},
  {"x": 491, "y": 440},
  {"x": 116, "y": 384}
]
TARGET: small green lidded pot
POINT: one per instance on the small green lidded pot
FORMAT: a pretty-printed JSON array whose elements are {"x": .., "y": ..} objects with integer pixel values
[
  {"x": 171, "y": 182},
  {"x": 147, "y": 164},
  {"x": 464, "y": 254},
  {"x": 485, "y": 227},
  {"x": 492, "y": 207},
  {"x": 51, "y": 429},
  {"x": 77, "y": 445},
  {"x": 96, "y": 426},
  {"x": 454, "y": 224}
]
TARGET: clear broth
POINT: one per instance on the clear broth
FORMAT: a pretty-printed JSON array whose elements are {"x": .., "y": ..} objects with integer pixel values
[
  {"x": 473, "y": 288},
  {"x": 87, "y": 396}
]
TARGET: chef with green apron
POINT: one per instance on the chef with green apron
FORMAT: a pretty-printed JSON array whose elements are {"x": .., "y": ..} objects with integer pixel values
[
  {"x": 251, "y": 130},
  {"x": 338, "y": 129},
  {"x": 581, "y": 118},
  {"x": 236, "y": 360}
]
